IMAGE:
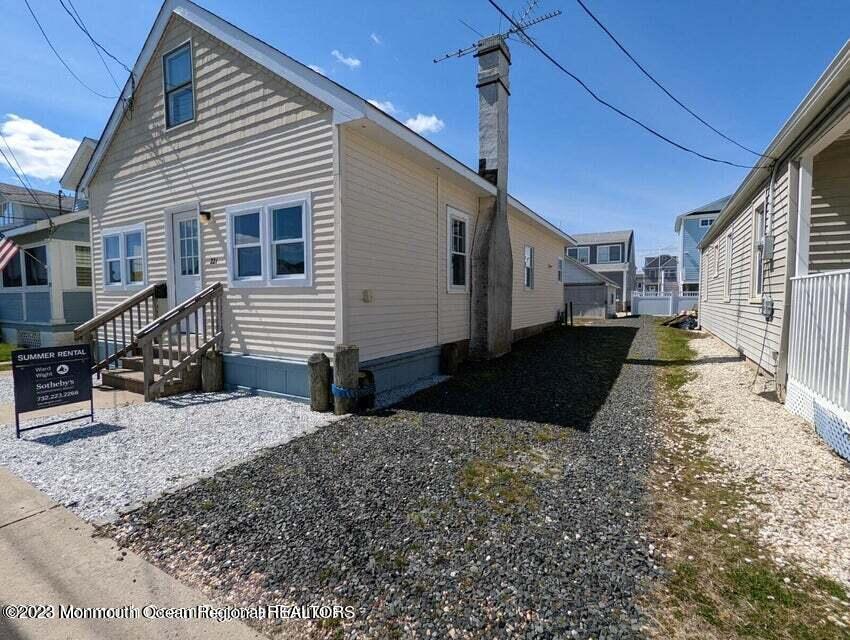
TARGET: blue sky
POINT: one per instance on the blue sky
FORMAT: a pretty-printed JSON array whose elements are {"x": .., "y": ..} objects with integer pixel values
[{"x": 743, "y": 66}]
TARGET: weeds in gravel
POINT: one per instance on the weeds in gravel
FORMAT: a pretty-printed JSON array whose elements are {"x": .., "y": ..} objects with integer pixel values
[{"x": 721, "y": 582}]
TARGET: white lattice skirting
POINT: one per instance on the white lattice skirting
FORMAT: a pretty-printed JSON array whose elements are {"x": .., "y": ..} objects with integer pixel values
[{"x": 831, "y": 421}]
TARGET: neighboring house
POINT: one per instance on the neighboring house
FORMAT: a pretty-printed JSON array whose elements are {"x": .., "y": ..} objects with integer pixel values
[
  {"x": 591, "y": 294},
  {"x": 691, "y": 226},
  {"x": 19, "y": 207},
  {"x": 659, "y": 275},
  {"x": 315, "y": 218},
  {"x": 775, "y": 265},
  {"x": 45, "y": 288},
  {"x": 611, "y": 253}
]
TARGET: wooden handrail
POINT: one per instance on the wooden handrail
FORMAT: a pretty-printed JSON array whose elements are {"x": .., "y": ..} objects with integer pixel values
[
  {"x": 198, "y": 320},
  {"x": 113, "y": 312},
  {"x": 183, "y": 309},
  {"x": 120, "y": 324}
]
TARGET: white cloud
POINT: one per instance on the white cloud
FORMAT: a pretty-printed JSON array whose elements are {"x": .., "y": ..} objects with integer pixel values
[
  {"x": 376, "y": 38},
  {"x": 317, "y": 69},
  {"x": 42, "y": 153},
  {"x": 351, "y": 63},
  {"x": 384, "y": 105},
  {"x": 425, "y": 124}
]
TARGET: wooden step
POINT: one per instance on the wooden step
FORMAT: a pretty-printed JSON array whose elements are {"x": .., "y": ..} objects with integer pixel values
[{"x": 133, "y": 380}]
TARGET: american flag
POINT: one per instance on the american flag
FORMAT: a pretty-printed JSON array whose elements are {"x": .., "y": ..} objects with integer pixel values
[{"x": 8, "y": 250}]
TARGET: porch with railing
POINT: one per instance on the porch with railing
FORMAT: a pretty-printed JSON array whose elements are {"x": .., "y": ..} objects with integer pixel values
[{"x": 819, "y": 355}]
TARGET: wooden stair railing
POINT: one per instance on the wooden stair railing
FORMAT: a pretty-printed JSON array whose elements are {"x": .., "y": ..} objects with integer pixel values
[
  {"x": 180, "y": 336},
  {"x": 119, "y": 326}
]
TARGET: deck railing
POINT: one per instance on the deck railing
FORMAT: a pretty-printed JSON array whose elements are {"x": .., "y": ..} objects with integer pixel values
[
  {"x": 177, "y": 339},
  {"x": 819, "y": 339},
  {"x": 112, "y": 334}
]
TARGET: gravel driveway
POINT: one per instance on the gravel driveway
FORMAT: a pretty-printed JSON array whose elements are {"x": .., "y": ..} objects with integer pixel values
[
  {"x": 134, "y": 453},
  {"x": 508, "y": 500}
]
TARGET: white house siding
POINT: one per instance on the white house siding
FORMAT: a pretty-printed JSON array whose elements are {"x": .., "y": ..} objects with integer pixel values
[
  {"x": 739, "y": 322},
  {"x": 390, "y": 223},
  {"x": 454, "y": 307},
  {"x": 255, "y": 136},
  {"x": 829, "y": 238},
  {"x": 540, "y": 305}
]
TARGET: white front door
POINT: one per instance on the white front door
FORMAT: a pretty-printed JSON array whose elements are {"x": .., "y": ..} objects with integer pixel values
[{"x": 187, "y": 255}]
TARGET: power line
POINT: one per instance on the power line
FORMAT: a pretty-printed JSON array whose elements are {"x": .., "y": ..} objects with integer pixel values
[
  {"x": 662, "y": 87},
  {"x": 617, "y": 110},
  {"x": 22, "y": 178},
  {"x": 76, "y": 18},
  {"x": 61, "y": 59}
]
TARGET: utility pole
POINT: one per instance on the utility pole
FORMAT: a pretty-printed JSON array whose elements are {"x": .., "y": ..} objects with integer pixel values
[{"x": 491, "y": 279}]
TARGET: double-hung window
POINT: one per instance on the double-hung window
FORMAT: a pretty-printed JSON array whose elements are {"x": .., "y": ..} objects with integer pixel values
[
  {"x": 269, "y": 242},
  {"x": 123, "y": 257},
  {"x": 529, "y": 267},
  {"x": 608, "y": 254},
  {"x": 757, "y": 280},
  {"x": 12, "y": 275},
  {"x": 560, "y": 269},
  {"x": 706, "y": 222},
  {"x": 457, "y": 231},
  {"x": 178, "y": 86},
  {"x": 579, "y": 254}
]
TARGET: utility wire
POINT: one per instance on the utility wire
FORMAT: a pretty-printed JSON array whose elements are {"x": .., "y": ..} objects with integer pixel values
[
  {"x": 662, "y": 87},
  {"x": 605, "y": 103},
  {"x": 75, "y": 16},
  {"x": 61, "y": 59},
  {"x": 22, "y": 177},
  {"x": 78, "y": 20}
]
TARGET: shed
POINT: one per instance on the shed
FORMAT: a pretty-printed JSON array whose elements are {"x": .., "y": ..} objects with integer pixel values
[{"x": 591, "y": 294}]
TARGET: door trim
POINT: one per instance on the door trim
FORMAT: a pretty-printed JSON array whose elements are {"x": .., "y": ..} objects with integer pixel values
[{"x": 168, "y": 223}]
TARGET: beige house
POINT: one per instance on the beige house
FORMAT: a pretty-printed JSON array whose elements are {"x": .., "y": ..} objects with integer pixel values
[
  {"x": 775, "y": 265},
  {"x": 324, "y": 220}
]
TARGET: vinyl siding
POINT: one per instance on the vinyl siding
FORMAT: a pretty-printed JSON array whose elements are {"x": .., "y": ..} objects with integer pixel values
[
  {"x": 532, "y": 307},
  {"x": 829, "y": 247},
  {"x": 390, "y": 246},
  {"x": 692, "y": 234},
  {"x": 254, "y": 137},
  {"x": 739, "y": 322},
  {"x": 395, "y": 248}
]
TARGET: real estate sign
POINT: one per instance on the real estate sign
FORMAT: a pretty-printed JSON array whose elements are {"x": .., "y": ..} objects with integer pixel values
[{"x": 50, "y": 377}]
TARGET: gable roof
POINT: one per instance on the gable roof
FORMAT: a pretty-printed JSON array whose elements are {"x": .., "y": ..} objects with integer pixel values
[
  {"x": 715, "y": 206},
  {"x": 602, "y": 237},
  {"x": 74, "y": 171},
  {"x": 14, "y": 193},
  {"x": 831, "y": 86},
  {"x": 591, "y": 272},
  {"x": 346, "y": 104}
]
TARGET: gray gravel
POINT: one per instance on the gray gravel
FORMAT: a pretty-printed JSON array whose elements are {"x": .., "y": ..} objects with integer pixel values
[
  {"x": 7, "y": 389},
  {"x": 134, "y": 453},
  {"x": 507, "y": 501}
]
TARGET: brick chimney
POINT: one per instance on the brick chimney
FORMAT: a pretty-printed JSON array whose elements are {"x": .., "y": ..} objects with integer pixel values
[{"x": 492, "y": 260}]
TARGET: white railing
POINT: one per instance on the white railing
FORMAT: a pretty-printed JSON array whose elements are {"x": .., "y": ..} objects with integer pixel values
[{"x": 819, "y": 339}]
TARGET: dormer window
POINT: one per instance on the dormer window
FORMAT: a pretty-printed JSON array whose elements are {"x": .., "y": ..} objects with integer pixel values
[{"x": 179, "y": 91}]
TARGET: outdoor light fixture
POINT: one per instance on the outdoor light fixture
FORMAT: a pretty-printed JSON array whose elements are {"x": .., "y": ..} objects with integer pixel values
[{"x": 205, "y": 216}]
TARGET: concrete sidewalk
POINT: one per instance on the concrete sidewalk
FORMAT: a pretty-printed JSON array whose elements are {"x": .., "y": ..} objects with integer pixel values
[{"x": 48, "y": 557}]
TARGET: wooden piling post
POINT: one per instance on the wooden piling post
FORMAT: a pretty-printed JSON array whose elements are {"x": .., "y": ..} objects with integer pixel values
[
  {"x": 319, "y": 373},
  {"x": 346, "y": 376}
]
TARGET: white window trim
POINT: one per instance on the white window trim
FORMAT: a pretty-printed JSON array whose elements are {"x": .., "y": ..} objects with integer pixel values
[
  {"x": 578, "y": 253},
  {"x": 20, "y": 258},
  {"x": 727, "y": 264},
  {"x": 706, "y": 222},
  {"x": 528, "y": 251},
  {"x": 191, "y": 73},
  {"x": 716, "y": 260},
  {"x": 562, "y": 264},
  {"x": 456, "y": 214},
  {"x": 122, "y": 232},
  {"x": 755, "y": 254},
  {"x": 266, "y": 279},
  {"x": 608, "y": 247}
]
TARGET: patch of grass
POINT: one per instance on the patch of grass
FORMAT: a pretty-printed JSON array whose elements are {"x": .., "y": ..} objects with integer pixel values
[
  {"x": 721, "y": 583},
  {"x": 5, "y": 355},
  {"x": 500, "y": 484}
]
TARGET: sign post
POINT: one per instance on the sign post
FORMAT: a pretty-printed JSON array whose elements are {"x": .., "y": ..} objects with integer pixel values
[{"x": 51, "y": 377}]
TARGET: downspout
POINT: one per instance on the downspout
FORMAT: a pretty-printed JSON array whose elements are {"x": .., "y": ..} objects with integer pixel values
[{"x": 790, "y": 272}]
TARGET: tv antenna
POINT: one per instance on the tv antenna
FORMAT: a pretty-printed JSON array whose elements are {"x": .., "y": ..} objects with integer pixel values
[{"x": 524, "y": 21}]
